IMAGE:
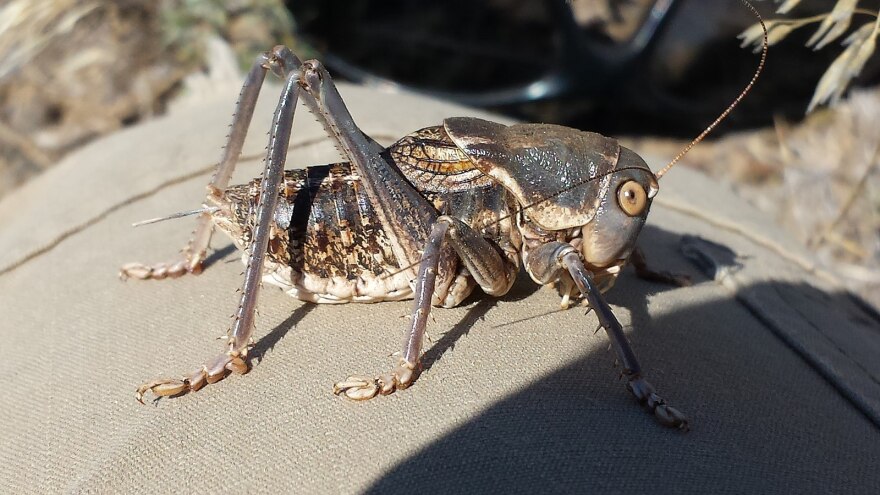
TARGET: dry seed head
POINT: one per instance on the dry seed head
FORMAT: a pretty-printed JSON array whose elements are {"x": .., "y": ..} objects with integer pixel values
[
  {"x": 861, "y": 44},
  {"x": 777, "y": 33},
  {"x": 787, "y": 6},
  {"x": 847, "y": 65},
  {"x": 834, "y": 25},
  {"x": 777, "y": 30}
]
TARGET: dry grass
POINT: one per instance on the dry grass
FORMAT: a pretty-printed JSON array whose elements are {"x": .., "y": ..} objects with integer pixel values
[
  {"x": 73, "y": 70},
  {"x": 859, "y": 46}
]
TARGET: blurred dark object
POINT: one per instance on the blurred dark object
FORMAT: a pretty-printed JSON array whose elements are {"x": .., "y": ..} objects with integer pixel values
[{"x": 664, "y": 67}]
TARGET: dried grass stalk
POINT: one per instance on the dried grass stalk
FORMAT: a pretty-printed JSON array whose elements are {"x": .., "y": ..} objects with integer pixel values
[
  {"x": 776, "y": 32},
  {"x": 860, "y": 46},
  {"x": 787, "y": 6},
  {"x": 35, "y": 24},
  {"x": 834, "y": 25}
]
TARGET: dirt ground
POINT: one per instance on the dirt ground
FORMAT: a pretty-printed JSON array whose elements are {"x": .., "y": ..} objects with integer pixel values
[{"x": 74, "y": 70}]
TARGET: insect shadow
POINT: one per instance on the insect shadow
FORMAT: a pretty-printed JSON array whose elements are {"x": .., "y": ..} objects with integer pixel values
[
  {"x": 765, "y": 414},
  {"x": 271, "y": 339},
  {"x": 223, "y": 254}
]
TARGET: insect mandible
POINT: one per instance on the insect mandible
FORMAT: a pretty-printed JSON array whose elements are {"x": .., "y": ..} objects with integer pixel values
[{"x": 441, "y": 211}]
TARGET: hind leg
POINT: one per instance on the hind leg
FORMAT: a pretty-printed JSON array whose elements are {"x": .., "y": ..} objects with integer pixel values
[
  {"x": 192, "y": 256},
  {"x": 239, "y": 337}
]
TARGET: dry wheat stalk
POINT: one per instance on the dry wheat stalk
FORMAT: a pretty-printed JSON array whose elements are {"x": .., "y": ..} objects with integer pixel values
[{"x": 860, "y": 45}]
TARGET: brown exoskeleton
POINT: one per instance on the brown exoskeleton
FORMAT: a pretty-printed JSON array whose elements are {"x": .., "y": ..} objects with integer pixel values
[{"x": 437, "y": 213}]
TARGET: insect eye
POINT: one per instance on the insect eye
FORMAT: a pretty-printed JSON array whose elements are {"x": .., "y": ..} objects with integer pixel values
[{"x": 632, "y": 198}]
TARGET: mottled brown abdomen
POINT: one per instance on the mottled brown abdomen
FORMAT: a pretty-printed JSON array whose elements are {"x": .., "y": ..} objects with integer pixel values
[{"x": 326, "y": 244}]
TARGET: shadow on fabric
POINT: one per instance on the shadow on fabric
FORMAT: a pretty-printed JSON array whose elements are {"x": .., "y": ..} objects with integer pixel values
[{"x": 762, "y": 420}]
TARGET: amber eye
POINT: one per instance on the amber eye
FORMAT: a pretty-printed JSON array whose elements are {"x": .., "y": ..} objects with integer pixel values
[{"x": 632, "y": 198}]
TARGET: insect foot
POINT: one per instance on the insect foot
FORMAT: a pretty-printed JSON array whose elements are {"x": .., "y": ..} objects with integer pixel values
[
  {"x": 665, "y": 414},
  {"x": 210, "y": 373},
  {"x": 158, "y": 271},
  {"x": 363, "y": 388}
]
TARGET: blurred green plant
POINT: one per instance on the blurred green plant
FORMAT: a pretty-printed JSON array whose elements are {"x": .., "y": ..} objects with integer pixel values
[
  {"x": 860, "y": 45},
  {"x": 250, "y": 26}
]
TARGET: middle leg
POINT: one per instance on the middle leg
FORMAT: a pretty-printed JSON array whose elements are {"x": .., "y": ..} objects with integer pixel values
[{"x": 493, "y": 273}]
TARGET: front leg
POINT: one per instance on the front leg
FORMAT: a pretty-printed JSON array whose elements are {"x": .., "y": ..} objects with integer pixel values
[{"x": 636, "y": 383}]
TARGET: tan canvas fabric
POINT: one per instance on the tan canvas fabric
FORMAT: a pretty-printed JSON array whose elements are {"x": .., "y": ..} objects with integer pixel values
[{"x": 776, "y": 368}]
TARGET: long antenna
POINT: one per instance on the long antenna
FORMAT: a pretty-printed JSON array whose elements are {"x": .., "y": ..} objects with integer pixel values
[{"x": 733, "y": 105}]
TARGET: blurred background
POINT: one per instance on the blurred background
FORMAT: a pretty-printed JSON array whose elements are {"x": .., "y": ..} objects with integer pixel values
[{"x": 653, "y": 72}]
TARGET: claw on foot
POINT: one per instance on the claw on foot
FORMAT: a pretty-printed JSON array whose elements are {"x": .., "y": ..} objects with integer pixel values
[
  {"x": 357, "y": 388},
  {"x": 364, "y": 388},
  {"x": 212, "y": 373},
  {"x": 162, "y": 388},
  {"x": 646, "y": 395}
]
